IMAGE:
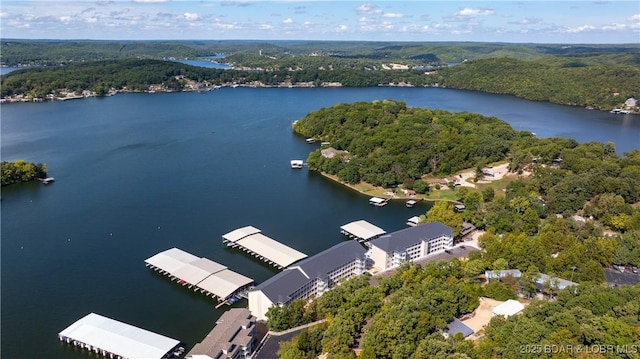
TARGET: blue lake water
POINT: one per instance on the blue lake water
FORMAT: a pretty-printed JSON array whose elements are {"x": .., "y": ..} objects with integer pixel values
[
  {"x": 137, "y": 174},
  {"x": 207, "y": 64}
]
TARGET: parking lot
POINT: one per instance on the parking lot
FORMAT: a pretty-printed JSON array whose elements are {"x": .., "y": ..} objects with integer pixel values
[{"x": 616, "y": 278}]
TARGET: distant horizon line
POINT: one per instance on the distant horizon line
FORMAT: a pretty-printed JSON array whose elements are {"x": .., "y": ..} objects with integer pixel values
[{"x": 343, "y": 41}]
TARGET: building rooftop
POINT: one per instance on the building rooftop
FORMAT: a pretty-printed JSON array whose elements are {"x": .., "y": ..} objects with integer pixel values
[
  {"x": 399, "y": 240},
  {"x": 171, "y": 260},
  {"x": 251, "y": 239},
  {"x": 362, "y": 230},
  {"x": 508, "y": 308},
  {"x": 233, "y": 328},
  {"x": 119, "y": 338},
  {"x": 456, "y": 326},
  {"x": 280, "y": 286}
]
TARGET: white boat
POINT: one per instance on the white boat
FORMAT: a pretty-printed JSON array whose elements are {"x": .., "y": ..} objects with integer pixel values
[
  {"x": 311, "y": 140},
  {"x": 410, "y": 203},
  {"x": 616, "y": 110},
  {"x": 297, "y": 163},
  {"x": 48, "y": 180}
]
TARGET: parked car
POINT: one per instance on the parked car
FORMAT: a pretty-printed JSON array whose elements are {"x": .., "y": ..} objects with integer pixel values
[{"x": 634, "y": 269}]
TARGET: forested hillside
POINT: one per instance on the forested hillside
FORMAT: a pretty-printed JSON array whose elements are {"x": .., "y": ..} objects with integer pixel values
[
  {"x": 563, "y": 80},
  {"x": 403, "y": 316},
  {"x": 388, "y": 143}
]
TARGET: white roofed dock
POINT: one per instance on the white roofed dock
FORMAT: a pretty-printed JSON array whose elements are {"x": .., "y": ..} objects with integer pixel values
[
  {"x": 199, "y": 274},
  {"x": 362, "y": 231},
  {"x": 252, "y": 241},
  {"x": 115, "y": 339}
]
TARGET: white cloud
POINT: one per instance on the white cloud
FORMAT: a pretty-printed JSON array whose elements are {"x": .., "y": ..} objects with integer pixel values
[
  {"x": 287, "y": 21},
  {"x": 578, "y": 29},
  {"x": 635, "y": 17},
  {"x": 265, "y": 27},
  {"x": 392, "y": 15},
  {"x": 150, "y": 1},
  {"x": 368, "y": 9},
  {"x": 191, "y": 16},
  {"x": 614, "y": 27},
  {"x": 65, "y": 19},
  {"x": 342, "y": 28},
  {"x": 91, "y": 20},
  {"x": 469, "y": 12},
  {"x": 387, "y": 25}
]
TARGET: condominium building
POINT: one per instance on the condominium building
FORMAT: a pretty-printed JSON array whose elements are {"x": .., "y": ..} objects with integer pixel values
[
  {"x": 308, "y": 278},
  {"x": 233, "y": 337},
  {"x": 392, "y": 249}
]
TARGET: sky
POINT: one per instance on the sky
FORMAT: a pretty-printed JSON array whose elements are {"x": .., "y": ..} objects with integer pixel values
[{"x": 527, "y": 21}]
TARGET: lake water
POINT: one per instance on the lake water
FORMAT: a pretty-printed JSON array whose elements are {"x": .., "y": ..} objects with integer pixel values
[{"x": 137, "y": 174}]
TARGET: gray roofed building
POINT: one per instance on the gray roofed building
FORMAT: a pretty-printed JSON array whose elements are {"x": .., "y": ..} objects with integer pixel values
[
  {"x": 554, "y": 282},
  {"x": 233, "y": 337},
  {"x": 310, "y": 277},
  {"x": 409, "y": 236},
  {"x": 409, "y": 244},
  {"x": 499, "y": 274},
  {"x": 456, "y": 326}
]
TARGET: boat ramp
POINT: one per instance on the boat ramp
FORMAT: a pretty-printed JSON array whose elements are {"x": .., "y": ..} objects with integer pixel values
[
  {"x": 200, "y": 274},
  {"x": 252, "y": 241},
  {"x": 362, "y": 231},
  {"x": 114, "y": 339}
]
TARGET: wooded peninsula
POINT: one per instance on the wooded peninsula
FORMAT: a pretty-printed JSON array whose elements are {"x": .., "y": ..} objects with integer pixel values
[{"x": 597, "y": 76}]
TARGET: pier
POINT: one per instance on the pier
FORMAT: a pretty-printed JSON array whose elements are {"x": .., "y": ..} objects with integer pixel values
[
  {"x": 362, "y": 231},
  {"x": 117, "y": 340},
  {"x": 250, "y": 239},
  {"x": 199, "y": 274}
]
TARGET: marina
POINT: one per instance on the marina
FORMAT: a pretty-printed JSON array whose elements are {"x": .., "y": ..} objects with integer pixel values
[
  {"x": 362, "y": 231},
  {"x": 97, "y": 197},
  {"x": 114, "y": 339},
  {"x": 200, "y": 274},
  {"x": 252, "y": 241}
]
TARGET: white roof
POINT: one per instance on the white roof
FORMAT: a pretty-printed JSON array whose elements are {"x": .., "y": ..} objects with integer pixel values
[
  {"x": 414, "y": 219},
  {"x": 376, "y": 200},
  {"x": 119, "y": 338},
  {"x": 508, "y": 308},
  {"x": 240, "y": 233},
  {"x": 224, "y": 283},
  {"x": 363, "y": 229},
  {"x": 198, "y": 270},
  {"x": 297, "y": 162},
  {"x": 270, "y": 249},
  {"x": 171, "y": 260}
]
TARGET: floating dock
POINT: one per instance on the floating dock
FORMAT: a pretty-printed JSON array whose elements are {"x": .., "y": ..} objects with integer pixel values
[
  {"x": 114, "y": 339},
  {"x": 413, "y": 221},
  {"x": 252, "y": 241},
  {"x": 378, "y": 202},
  {"x": 200, "y": 274},
  {"x": 362, "y": 231}
]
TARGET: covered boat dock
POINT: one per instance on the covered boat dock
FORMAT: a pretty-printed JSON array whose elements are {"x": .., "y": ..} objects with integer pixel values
[
  {"x": 252, "y": 241},
  {"x": 200, "y": 274},
  {"x": 114, "y": 339},
  {"x": 362, "y": 231}
]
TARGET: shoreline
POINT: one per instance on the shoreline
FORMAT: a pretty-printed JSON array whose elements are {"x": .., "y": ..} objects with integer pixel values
[
  {"x": 382, "y": 192},
  {"x": 159, "y": 89}
]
